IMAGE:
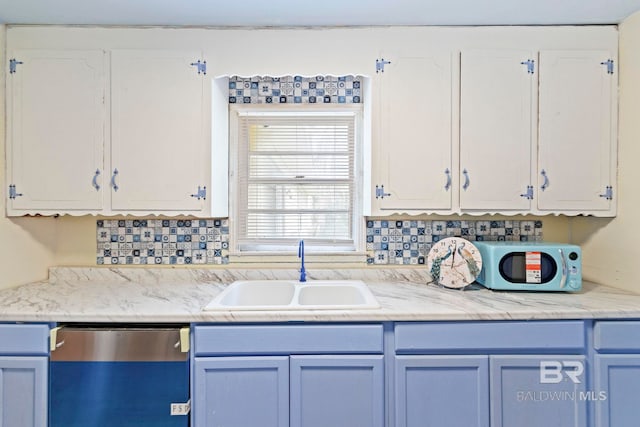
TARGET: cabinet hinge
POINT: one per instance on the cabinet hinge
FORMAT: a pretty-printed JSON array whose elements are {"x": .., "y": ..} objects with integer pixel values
[
  {"x": 201, "y": 194},
  {"x": 13, "y": 63},
  {"x": 608, "y": 193},
  {"x": 13, "y": 193},
  {"x": 380, "y": 63},
  {"x": 529, "y": 193},
  {"x": 609, "y": 64},
  {"x": 531, "y": 65},
  {"x": 201, "y": 65},
  {"x": 380, "y": 194}
]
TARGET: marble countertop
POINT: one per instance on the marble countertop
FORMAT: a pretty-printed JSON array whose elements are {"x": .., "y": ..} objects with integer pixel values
[{"x": 166, "y": 295}]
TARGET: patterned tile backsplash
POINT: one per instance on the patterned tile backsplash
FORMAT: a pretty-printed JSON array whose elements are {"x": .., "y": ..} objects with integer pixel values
[
  {"x": 295, "y": 90},
  {"x": 409, "y": 241},
  {"x": 163, "y": 241},
  {"x": 200, "y": 241}
]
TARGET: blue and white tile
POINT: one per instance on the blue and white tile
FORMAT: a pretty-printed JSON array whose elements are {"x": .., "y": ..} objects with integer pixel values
[
  {"x": 409, "y": 241},
  {"x": 167, "y": 242}
]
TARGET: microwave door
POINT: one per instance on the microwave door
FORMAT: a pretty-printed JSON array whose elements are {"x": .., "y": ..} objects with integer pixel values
[
  {"x": 563, "y": 281},
  {"x": 528, "y": 267}
]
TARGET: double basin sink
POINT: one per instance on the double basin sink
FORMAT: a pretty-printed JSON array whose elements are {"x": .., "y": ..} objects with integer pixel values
[{"x": 294, "y": 295}]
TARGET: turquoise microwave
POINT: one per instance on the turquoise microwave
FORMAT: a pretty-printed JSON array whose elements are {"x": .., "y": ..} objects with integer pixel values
[{"x": 530, "y": 266}]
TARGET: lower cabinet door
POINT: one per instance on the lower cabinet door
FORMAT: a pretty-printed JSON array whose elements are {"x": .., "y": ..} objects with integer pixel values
[
  {"x": 337, "y": 391},
  {"x": 23, "y": 391},
  {"x": 617, "y": 385},
  {"x": 538, "y": 391},
  {"x": 241, "y": 391},
  {"x": 441, "y": 391}
]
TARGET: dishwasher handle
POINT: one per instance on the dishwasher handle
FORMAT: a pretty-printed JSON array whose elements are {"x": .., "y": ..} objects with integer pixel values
[{"x": 119, "y": 344}]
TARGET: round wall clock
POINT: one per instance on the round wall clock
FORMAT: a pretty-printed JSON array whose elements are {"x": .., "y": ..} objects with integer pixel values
[{"x": 454, "y": 262}]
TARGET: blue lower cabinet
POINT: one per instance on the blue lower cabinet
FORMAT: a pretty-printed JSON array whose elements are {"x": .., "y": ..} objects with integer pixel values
[
  {"x": 441, "y": 374},
  {"x": 24, "y": 376},
  {"x": 279, "y": 375},
  {"x": 23, "y": 391},
  {"x": 498, "y": 374},
  {"x": 337, "y": 391},
  {"x": 538, "y": 391},
  {"x": 617, "y": 380},
  {"x": 496, "y": 390},
  {"x": 617, "y": 373},
  {"x": 441, "y": 391},
  {"x": 241, "y": 391},
  {"x": 278, "y": 391}
]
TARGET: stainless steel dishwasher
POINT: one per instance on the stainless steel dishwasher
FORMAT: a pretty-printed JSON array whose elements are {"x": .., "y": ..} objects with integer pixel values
[{"x": 119, "y": 376}]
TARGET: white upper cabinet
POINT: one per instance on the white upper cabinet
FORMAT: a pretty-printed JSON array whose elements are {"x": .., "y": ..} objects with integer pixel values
[
  {"x": 69, "y": 153},
  {"x": 537, "y": 132},
  {"x": 55, "y": 130},
  {"x": 413, "y": 168},
  {"x": 497, "y": 107},
  {"x": 577, "y": 134},
  {"x": 465, "y": 120},
  {"x": 158, "y": 155}
]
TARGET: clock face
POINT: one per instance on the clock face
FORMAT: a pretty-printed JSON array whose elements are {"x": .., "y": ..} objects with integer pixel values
[{"x": 454, "y": 262}]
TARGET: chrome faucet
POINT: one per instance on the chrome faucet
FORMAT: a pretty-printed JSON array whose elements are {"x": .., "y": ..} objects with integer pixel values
[{"x": 303, "y": 273}]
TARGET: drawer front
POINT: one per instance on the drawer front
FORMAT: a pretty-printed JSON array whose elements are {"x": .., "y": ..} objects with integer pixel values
[
  {"x": 288, "y": 339},
  {"x": 440, "y": 337},
  {"x": 617, "y": 336},
  {"x": 24, "y": 339}
]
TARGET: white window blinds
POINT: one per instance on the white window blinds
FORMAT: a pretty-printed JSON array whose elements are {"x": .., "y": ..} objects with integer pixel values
[{"x": 296, "y": 179}]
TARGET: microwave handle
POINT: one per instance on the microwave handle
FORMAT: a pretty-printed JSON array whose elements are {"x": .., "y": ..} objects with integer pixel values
[{"x": 563, "y": 281}]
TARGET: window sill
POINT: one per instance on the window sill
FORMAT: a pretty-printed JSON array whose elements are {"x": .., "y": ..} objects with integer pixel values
[{"x": 289, "y": 258}]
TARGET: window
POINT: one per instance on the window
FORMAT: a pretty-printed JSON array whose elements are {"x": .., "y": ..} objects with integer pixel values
[{"x": 297, "y": 177}]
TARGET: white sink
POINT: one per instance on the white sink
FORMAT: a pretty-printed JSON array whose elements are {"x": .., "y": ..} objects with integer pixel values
[
  {"x": 331, "y": 294},
  {"x": 294, "y": 295},
  {"x": 257, "y": 293}
]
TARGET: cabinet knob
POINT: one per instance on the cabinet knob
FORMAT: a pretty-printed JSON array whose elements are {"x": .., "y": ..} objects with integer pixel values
[
  {"x": 467, "y": 181},
  {"x": 94, "y": 181},
  {"x": 114, "y": 185},
  {"x": 545, "y": 184}
]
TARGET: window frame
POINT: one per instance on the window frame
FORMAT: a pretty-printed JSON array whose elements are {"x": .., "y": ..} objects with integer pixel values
[{"x": 356, "y": 247}]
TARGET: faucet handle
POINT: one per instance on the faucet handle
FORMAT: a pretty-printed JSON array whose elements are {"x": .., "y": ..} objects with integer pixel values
[{"x": 303, "y": 273}]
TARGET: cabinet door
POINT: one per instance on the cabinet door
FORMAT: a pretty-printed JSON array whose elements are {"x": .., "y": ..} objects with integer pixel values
[
  {"x": 442, "y": 391},
  {"x": 519, "y": 392},
  {"x": 617, "y": 384},
  {"x": 337, "y": 391},
  {"x": 23, "y": 391},
  {"x": 241, "y": 391},
  {"x": 158, "y": 153},
  {"x": 55, "y": 128},
  {"x": 576, "y": 145},
  {"x": 497, "y": 95},
  {"x": 414, "y": 148}
]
